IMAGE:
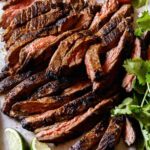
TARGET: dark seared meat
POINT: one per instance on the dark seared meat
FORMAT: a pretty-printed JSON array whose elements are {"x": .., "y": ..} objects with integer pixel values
[
  {"x": 4, "y": 74},
  {"x": 12, "y": 11},
  {"x": 65, "y": 112},
  {"x": 75, "y": 56},
  {"x": 34, "y": 106},
  {"x": 36, "y": 8},
  {"x": 64, "y": 46},
  {"x": 123, "y": 12},
  {"x": 60, "y": 131},
  {"x": 115, "y": 55},
  {"x": 90, "y": 139},
  {"x": 11, "y": 81},
  {"x": 92, "y": 60},
  {"x": 10, "y": 3},
  {"x": 23, "y": 90},
  {"x": 136, "y": 53},
  {"x": 35, "y": 25},
  {"x": 130, "y": 135},
  {"x": 112, "y": 134},
  {"x": 108, "y": 8}
]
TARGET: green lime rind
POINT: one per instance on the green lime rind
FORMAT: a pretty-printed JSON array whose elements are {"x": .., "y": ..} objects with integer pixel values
[
  {"x": 36, "y": 145},
  {"x": 14, "y": 139}
]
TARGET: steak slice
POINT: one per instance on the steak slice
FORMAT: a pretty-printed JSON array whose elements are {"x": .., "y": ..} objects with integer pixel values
[
  {"x": 36, "y": 24},
  {"x": 92, "y": 60},
  {"x": 12, "y": 11},
  {"x": 36, "y": 8},
  {"x": 108, "y": 8},
  {"x": 136, "y": 53},
  {"x": 66, "y": 112},
  {"x": 123, "y": 12},
  {"x": 90, "y": 139},
  {"x": 24, "y": 89},
  {"x": 41, "y": 105},
  {"x": 63, "y": 48},
  {"x": 112, "y": 134},
  {"x": 75, "y": 56},
  {"x": 61, "y": 131},
  {"x": 11, "y": 81},
  {"x": 130, "y": 135}
]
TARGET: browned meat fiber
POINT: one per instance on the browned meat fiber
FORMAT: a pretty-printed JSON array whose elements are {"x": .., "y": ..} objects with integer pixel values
[
  {"x": 130, "y": 135},
  {"x": 60, "y": 131},
  {"x": 90, "y": 139},
  {"x": 112, "y": 134},
  {"x": 12, "y": 11},
  {"x": 41, "y": 105},
  {"x": 23, "y": 89},
  {"x": 136, "y": 53}
]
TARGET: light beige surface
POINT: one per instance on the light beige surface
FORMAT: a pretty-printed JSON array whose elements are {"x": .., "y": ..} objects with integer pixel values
[{"x": 8, "y": 122}]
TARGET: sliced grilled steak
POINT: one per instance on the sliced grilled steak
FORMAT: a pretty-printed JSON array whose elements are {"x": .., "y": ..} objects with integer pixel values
[
  {"x": 90, "y": 139},
  {"x": 36, "y": 8},
  {"x": 34, "y": 106},
  {"x": 112, "y": 134},
  {"x": 92, "y": 60},
  {"x": 65, "y": 112},
  {"x": 60, "y": 131},
  {"x": 11, "y": 81},
  {"x": 12, "y": 11},
  {"x": 123, "y": 12},
  {"x": 24, "y": 89},
  {"x": 75, "y": 56},
  {"x": 108, "y": 8},
  {"x": 64, "y": 47},
  {"x": 36, "y": 24},
  {"x": 9, "y": 3},
  {"x": 136, "y": 53},
  {"x": 130, "y": 135}
]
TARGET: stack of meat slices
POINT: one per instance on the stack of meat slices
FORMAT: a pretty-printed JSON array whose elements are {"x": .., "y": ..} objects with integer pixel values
[{"x": 64, "y": 71}]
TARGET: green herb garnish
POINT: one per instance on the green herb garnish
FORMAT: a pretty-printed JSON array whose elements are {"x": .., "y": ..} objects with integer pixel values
[{"x": 138, "y": 106}]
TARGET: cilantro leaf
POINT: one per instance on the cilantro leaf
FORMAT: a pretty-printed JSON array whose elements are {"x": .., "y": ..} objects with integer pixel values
[
  {"x": 140, "y": 68},
  {"x": 143, "y": 23}
]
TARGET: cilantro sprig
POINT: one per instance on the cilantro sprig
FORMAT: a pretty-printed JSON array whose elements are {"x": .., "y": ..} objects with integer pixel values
[
  {"x": 138, "y": 106},
  {"x": 142, "y": 22}
]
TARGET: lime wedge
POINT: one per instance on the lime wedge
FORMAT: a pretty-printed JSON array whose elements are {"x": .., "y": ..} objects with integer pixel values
[
  {"x": 36, "y": 145},
  {"x": 15, "y": 141}
]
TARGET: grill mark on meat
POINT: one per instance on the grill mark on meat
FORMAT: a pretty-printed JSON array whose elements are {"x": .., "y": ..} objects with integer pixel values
[
  {"x": 92, "y": 60},
  {"x": 136, "y": 53},
  {"x": 36, "y": 8},
  {"x": 35, "y": 24},
  {"x": 114, "y": 56},
  {"x": 60, "y": 131},
  {"x": 112, "y": 134},
  {"x": 123, "y": 12},
  {"x": 23, "y": 89},
  {"x": 11, "y": 81},
  {"x": 51, "y": 88},
  {"x": 32, "y": 106},
  {"x": 65, "y": 112},
  {"x": 11, "y": 12},
  {"x": 108, "y": 8},
  {"x": 90, "y": 139},
  {"x": 63, "y": 48},
  {"x": 130, "y": 135},
  {"x": 75, "y": 56}
]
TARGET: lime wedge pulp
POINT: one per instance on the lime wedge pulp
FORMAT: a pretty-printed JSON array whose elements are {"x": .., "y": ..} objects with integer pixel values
[
  {"x": 15, "y": 141},
  {"x": 36, "y": 145}
]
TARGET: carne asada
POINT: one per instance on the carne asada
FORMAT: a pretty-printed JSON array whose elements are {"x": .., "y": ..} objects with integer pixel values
[
  {"x": 47, "y": 103},
  {"x": 90, "y": 139},
  {"x": 112, "y": 134}
]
